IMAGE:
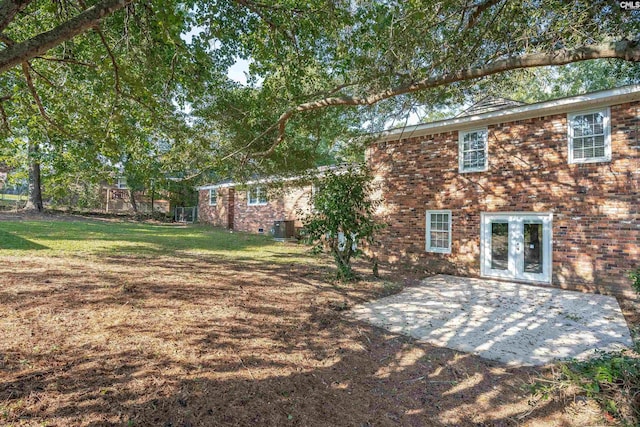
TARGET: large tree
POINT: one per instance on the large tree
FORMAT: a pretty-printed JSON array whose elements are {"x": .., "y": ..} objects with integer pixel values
[
  {"x": 107, "y": 95},
  {"x": 98, "y": 77},
  {"x": 403, "y": 53}
]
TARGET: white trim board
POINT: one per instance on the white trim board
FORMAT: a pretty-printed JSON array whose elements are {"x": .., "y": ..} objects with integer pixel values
[
  {"x": 320, "y": 172},
  {"x": 557, "y": 106}
]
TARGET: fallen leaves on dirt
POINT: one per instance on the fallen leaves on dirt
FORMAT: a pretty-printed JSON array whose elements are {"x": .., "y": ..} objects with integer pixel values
[{"x": 204, "y": 341}]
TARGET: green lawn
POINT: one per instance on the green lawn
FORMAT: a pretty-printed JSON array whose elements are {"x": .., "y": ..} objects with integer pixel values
[
  {"x": 11, "y": 200},
  {"x": 93, "y": 237},
  {"x": 12, "y": 197}
]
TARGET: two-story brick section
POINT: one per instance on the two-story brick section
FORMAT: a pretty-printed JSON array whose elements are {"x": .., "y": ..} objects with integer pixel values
[{"x": 544, "y": 193}]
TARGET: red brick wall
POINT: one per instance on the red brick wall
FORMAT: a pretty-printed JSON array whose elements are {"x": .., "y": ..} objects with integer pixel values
[
  {"x": 282, "y": 205},
  {"x": 215, "y": 215},
  {"x": 595, "y": 206}
]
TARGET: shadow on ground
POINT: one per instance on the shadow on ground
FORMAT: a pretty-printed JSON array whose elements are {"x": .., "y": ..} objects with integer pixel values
[
  {"x": 13, "y": 241},
  {"x": 202, "y": 342}
]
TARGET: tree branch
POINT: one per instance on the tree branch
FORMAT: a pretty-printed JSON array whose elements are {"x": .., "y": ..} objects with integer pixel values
[
  {"x": 42, "y": 76},
  {"x": 6, "y": 40},
  {"x": 113, "y": 59},
  {"x": 28, "y": 49},
  {"x": 628, "y": 50},
  {"x": 66, "y": 61},
  {"x": 253, "y": 7},
  {"x": 36, "y": 97},
  {"x": 9, "y": 9},
  {"x": 5, "y": 119},
  {"x": 479, "y": 9},
  {"x": 3, "y": 113},
  {"x": 269, "y": 129}
]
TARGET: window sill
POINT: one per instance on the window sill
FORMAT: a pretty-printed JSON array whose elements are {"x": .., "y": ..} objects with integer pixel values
[
  {"x": 473, "y": 170},
  {"x": 594, "y": 160},
  {"x": 438, "y": 251}
]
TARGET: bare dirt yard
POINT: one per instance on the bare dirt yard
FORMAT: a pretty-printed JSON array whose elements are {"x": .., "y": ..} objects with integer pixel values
[{"x": 137, "y": 332}]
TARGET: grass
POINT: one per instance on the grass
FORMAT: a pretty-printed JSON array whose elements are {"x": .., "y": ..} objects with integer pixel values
[
  {"x": 101, "y": 238},
  {"x": 10, "y": 201},
  {"x": 13, "y": 197}
]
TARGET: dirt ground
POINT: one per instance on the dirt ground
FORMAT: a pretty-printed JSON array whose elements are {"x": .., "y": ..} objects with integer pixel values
[{"x": 205, "y": 341}]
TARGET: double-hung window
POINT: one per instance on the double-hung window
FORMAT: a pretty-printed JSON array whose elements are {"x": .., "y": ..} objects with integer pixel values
[
  {"x": 121, "y": 183},
  {"x": 589, "y": 136},
  {"x": 439, "y": 231},
  {"x": 256, "y": 196},
  {"x": 472, "y": 151},
  {"x": 213, "y": 197}
]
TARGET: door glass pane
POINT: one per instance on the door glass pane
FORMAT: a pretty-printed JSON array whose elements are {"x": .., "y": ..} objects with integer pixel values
[
  {"x": 533, "y": 248},
  {"x": 499, "y": 245}
]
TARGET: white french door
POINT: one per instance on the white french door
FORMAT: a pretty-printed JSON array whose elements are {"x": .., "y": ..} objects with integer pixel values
[{"x": 516, "y": 245}]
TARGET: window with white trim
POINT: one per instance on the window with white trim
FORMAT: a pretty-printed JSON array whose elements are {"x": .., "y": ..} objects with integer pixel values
[
  {"x": 213, "y": 196},
  {"x": 439, "y": 231},
  {"x": 257, "y": 196},
  {"x": 121, "y": 183},
  {"x": 589, "y": 136},
  {"x": 472, "y": 151}
]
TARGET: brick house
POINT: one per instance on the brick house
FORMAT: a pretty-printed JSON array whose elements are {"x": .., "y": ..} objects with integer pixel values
[
  {"x": 255, "y": 206},
  {"x": 116, "y": 198},
  {"x": 545, "y": 193}
]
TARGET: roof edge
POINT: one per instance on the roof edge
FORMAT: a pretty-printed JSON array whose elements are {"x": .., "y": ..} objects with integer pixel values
[
  {"x": 573, "y": 103},
  {"x": 319, "y": 172}
]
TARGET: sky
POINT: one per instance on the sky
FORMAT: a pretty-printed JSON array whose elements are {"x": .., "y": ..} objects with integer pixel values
[{"x": 238, "y": 71}]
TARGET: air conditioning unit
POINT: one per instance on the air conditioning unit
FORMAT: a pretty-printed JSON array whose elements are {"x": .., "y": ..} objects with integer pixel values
[{"x": 283, "y": 230}]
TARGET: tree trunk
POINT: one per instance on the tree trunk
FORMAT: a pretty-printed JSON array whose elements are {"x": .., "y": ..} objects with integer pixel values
[
  {"x": 34, "y": 202},
  {"x": 132, "y": 198},
  {"x": 343, "y": 262}
]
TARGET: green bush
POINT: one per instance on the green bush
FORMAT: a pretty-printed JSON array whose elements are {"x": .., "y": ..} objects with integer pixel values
[
  {"x": 635, "y": 279},
  {"x": 612, "y": 379},
  {"x": 342, "y": 217}
]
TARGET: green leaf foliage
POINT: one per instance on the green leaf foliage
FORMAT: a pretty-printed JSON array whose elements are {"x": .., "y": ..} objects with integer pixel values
[
  {"x": 635, "y": 280},
  {"x": 149, "y": 90},
  {"x": 342, "y": 218}
]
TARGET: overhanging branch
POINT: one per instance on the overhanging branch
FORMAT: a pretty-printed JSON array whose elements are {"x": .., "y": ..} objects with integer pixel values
[
  {"x": 28, "y": 49},
  {"x": 628, "y": 50},
  {"x": 114, "y": 63},
  {"x": 34, "y": 93},
  {"x": 9, "y": 9},
  {"x": 5, "y": 119}
]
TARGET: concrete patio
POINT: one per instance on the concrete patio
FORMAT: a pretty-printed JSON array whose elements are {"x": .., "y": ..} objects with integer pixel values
[{"x": 512, "y": 323}]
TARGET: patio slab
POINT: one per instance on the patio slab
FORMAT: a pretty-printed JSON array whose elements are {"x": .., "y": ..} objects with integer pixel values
[{"x": 512, "y": 323}]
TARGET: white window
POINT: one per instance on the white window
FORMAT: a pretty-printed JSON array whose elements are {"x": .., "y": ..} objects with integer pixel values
[
  {"x": 439, "y": 231},
  {"x": 589, "y": 137},
  {"x": 121, "y": 183},
  {"x": 256, "y": 196},
  {"x": 472, "y": 151},
  {"x": 213, "y": 197}
]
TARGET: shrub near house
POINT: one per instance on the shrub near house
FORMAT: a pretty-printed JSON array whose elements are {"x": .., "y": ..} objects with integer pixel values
[{"x": 544, "y": 193}]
